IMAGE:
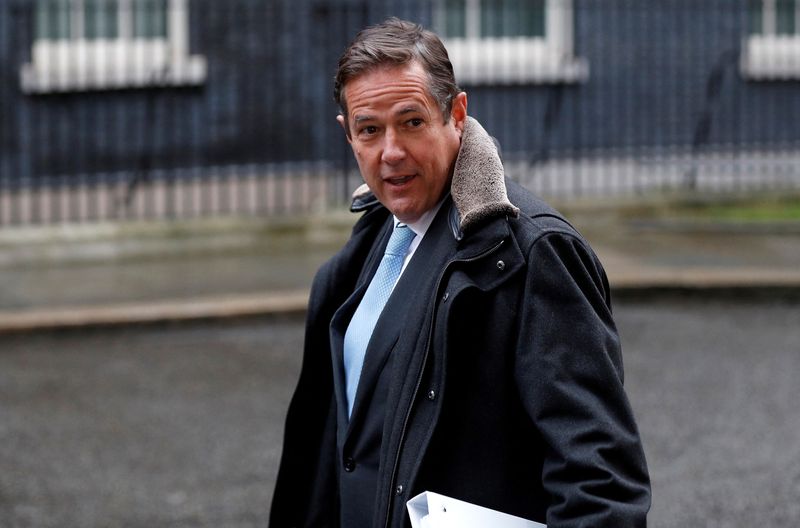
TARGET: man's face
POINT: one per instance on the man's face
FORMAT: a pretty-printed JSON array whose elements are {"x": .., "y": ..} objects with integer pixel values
[{"x": 404, "y": 149}]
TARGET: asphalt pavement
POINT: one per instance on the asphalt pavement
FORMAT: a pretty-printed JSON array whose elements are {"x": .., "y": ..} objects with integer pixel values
[
  {"x": 180, "y": 425},
  {"x": 111, "y": 414}
]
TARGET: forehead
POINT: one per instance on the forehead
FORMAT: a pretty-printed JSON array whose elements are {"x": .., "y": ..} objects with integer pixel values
[{"x": 386, "y": 86}]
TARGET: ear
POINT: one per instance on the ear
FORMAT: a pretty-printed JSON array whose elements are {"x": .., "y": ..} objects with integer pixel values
[
  {"x": 458, "y": 112},
  {"x": 340, "y": 118}
]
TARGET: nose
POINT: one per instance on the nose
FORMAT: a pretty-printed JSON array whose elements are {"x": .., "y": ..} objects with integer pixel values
[{"x": 393, "y": 149}]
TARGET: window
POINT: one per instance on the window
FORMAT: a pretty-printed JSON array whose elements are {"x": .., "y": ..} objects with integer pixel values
[
  {"x": 510, "y": 41},
  {"x": 110, "y": 44},
  {"x": 772, "y": 47}
]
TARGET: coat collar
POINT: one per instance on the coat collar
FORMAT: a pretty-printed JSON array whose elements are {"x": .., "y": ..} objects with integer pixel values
[{"x": 478, "y": 186}]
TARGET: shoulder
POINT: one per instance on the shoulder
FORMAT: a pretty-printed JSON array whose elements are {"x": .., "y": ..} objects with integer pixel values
[
  {"x": 537, "y": 218},
  {"x": 365, "y": 230},
  {"x": 545, "y": 236},
  {"x": 557, "y": 255}
]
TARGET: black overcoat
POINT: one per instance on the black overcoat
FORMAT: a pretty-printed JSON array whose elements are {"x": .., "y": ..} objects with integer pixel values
[{"x": 508, "y": 391}]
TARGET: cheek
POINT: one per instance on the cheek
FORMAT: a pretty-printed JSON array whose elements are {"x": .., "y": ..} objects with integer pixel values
[
  {"x": 365, "y": 166},
  {"x": 362, "y": 153},
  {"x": 359, "y": 154}
]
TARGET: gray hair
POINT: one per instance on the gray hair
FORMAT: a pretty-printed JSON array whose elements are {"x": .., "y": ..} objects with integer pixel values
[{"x": 398, "y": 42}]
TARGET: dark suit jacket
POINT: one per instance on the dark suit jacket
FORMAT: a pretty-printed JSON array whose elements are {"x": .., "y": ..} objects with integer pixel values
[
  {"x": 506, "y": 388},
  {"x": 359, "y": 438}
]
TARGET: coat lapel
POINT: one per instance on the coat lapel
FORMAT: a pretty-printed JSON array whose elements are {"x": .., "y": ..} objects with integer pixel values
[
  {"x": 341, "y": 318},
  {"x": 401, "y": 312},
  {"x": 384, "y": 337}
]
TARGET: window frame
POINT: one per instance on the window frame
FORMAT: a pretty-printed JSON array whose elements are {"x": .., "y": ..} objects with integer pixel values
[
  {"x": 77, "y": 63},
  {"x": 515, "y": 60},
  {"x": 768, "y": 55}
]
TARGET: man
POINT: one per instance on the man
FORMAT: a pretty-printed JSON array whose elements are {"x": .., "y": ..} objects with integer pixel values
[{"x": 491, "y": 370}]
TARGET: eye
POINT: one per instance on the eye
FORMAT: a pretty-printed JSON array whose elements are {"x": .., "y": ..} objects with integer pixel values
[
  {"x": 369, "y": 130},
  {"x": 415, "y": 122}
]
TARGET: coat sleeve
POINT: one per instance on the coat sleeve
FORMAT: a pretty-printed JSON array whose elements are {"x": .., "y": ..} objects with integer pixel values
[
  {"x": 305, "y": 475},
  {"x": 569, "y": 373}
]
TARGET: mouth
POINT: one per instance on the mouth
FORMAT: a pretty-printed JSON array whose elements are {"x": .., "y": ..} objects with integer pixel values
[{"x": 398, "y": 180}]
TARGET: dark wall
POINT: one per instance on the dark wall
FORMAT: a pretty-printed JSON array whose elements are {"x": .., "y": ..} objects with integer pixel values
[
  {"x": 663, "y": 73},
  {"x": 657, "y": 69}
]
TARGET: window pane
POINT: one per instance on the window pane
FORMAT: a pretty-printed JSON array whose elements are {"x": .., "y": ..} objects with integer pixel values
[
  {"x": 100, "y": 19},
  {"x": 492, "y": 18},
  {"x": 755, "y": 16},
  {"x": 53, "y": 19},
  {"x": 150, "y": 18},
  {"x": 455, "y": 16},
  {"x": 512, "y": 18},
  {"x": 785, "y": 14},
  {"x": 531, "y": 18}
]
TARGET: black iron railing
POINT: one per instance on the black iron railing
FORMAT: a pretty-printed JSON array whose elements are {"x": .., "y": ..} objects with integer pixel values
[{"x": 120, "y": 109}]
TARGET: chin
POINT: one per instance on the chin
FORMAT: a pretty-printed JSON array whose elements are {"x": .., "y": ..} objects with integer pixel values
[{"x": 407, "y": 217}]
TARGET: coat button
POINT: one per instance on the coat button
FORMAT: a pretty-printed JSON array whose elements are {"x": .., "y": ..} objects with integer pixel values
[
  {"x": 501, "y": 265},
  {"x": 445, "y": 296},
  {"x": 431, "y": 394},
  {"x": 349, "y": 464},
  {"x": 399, "y": 490}
]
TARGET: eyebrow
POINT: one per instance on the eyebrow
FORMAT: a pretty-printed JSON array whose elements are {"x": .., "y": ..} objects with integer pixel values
[
  {"x": 362, "y": 118},
  {"x": 409, "y": 110}
]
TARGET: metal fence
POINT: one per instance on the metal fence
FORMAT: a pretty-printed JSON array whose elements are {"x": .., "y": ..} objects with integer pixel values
[{"x": 147, "y": 109}]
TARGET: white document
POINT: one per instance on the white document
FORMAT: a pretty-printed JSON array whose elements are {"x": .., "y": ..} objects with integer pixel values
[{"x": 431, "y": 510}]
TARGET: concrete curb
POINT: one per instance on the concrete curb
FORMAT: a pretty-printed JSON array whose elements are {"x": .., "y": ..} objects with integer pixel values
[
  {"x": 761, "y": 292},
  {"x": 714, "y": 283},
  {"x": 223, "y": 307},
  {"x": 701, "y": 278},
  {"x": 294, "y": 303}
]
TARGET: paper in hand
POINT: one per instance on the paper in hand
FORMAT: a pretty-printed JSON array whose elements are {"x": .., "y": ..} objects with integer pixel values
[{"x": 431, "y": 510}]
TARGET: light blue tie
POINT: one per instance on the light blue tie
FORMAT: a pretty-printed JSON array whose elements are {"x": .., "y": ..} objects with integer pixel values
[{"x": 358, "y": 333}]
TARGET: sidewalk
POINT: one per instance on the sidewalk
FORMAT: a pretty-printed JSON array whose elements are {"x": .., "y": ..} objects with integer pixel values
[{"x": 103, "y": 275}]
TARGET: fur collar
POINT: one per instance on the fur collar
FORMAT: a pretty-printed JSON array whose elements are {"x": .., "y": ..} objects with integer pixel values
[{"x": 478, "y": 187}]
